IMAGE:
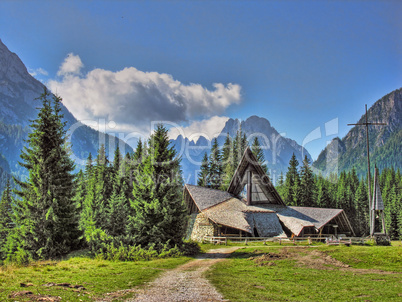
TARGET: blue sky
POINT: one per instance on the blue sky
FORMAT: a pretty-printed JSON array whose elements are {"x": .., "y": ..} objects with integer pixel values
[{"x": 300, "y": 64}]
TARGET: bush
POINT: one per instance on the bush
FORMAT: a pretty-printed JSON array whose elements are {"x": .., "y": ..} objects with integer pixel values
[
  {"x": 190, "y": 248},
  {"x": 382, "y": 240},
  {"x": 104, "y": 246},
  {"x": 19, "y": 257}
]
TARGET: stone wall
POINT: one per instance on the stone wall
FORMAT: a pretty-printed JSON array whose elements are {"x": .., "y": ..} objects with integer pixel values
[
  {"x": 201, "y": 227},
  {"x": 190, "y": 225}
]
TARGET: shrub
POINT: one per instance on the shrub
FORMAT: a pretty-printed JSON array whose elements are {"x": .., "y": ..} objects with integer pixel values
[
  {"x": 190, "y": 248},
  {"x": 382, "y": 240}
]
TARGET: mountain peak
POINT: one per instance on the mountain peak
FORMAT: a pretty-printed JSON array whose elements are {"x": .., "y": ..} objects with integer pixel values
[
  {"x": 12, "y": 68},
  {"x": 18, "y": 92},
  {"x": 277, "y": 149},
  {"x": 254, "y": 119}
]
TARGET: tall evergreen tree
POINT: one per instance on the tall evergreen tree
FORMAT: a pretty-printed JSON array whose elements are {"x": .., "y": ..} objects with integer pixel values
[
  {"x": 46, "y": 213},
  {"x": 88, "y": 167},
  {"x": 80, "y": 190},
  {"x": 6, "y": 221},
  {"x": 117, "y": 161},
  {"x": 291, "y": 190},
  {"x": 117, "y": 211},
  {"x": 243, "y": 144},
  {"x": 237, "y": 149},
  {"x": 227, "y": 162},
  {"x": 215, "y": 166},
  {"x": 139, "y": 152},
  {"x": 361, "y": 223},
  {"x": 259, "y": 154},
  {"x": 307, "y": 184},
  {"x": 323, "y": 199},
  {"x": 204, "y": 171},
  {"x": 227, "y": 151},
  {"x": 159, "y": 212}
]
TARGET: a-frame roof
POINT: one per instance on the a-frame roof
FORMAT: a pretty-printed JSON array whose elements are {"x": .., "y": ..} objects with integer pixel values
[{"x": 250, "y": 162}]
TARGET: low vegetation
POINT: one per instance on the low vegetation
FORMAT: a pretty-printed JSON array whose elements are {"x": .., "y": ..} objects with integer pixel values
[
  {"x": 79, "y": 278},
  {"x": 319, "y": 273}
]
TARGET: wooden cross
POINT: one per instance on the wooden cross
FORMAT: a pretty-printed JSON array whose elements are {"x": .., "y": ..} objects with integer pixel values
[{"x": 368, "y": 164}]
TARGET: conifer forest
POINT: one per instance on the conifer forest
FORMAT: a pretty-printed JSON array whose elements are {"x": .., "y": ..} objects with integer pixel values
[{"x": 131, "y": 207}]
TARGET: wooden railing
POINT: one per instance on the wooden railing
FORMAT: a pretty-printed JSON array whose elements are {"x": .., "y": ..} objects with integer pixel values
[{"x": 330, "y": 240}]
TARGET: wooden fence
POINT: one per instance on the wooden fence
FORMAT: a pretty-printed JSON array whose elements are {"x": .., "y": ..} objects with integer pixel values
[{"x": 309, "y": 240}]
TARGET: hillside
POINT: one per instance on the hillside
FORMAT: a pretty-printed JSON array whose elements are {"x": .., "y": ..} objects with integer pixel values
[
  {"x": 18, "y": 105},
  {"x": 385, "y": 141}
]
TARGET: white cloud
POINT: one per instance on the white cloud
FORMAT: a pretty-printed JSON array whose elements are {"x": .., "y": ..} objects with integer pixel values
[
  {"x": 72, "y": 65},
  {"x": 209, "y": 128},
  {"x": 38, "y": 71},
  {"x": 133, "y": 97}
]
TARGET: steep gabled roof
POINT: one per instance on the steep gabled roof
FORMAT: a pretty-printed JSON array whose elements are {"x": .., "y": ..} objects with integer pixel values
[
  {"x": 205, "y": 198},
  {"x": 249, "y": 161}
]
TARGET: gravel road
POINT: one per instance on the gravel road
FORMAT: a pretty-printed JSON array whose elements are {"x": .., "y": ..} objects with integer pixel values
[{"x": 186, "y": 282}]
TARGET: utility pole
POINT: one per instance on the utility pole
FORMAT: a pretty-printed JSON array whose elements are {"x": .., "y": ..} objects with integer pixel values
[{"x": 368, "y": 165}]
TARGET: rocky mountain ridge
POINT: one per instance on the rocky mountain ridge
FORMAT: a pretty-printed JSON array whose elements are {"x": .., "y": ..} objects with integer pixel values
[
  {"x": 277, "y": 149},
  {"x": 385, "y": 141},
  {"x": 18, "y": 105}
]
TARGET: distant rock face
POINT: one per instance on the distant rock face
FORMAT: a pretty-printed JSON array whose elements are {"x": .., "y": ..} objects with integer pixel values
[
  {"x": 385, "y": 141},
  {"x": 277, "y": 149},
  {"x": 18, "y": 91}
]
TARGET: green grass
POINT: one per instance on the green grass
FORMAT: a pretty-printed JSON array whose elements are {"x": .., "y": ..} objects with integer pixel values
[
  {"x": 97, "y": 276},
  {"x": 368, "y": 257},
  {"x": 242, "y": 279}
]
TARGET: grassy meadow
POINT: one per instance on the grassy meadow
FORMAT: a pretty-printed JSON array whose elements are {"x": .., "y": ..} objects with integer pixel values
[
  {"x": 79, "y": 278},
  {"x": 318, "y": 273},
  {"x": 254, "y": 272}
]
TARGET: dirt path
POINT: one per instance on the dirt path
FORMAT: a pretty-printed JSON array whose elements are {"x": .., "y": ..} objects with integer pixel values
[{"x": 186, "y": 282}]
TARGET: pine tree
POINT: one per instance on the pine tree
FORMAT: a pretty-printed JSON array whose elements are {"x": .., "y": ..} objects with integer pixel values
[
  {"x": 80, "y": 190},
  {"x": 6, "y": 222},
  {"x": 88, "y": 167},
  {"x": 259, "y": 154},
  {"x": 244, "y": 144},
  {"x": 291, "y": 190},
  {"x": 139, "y": 152},
  {"x": 227, "y": 151},
  {"x": 46, "y": 213},
  {"x": 237, "y": 149},
  {"x": 361, "y": 223},
  {"x": 281, "y": 186},
  {"x": 117, "y": 211},
  {"x": 341, "y": 192},
  {"x": 227, "y": 163},
  {"x": 117, "y": 161},
  {"x": 159, "y": 212},
  {"x": 215, "y": 166},
  {"x": 93, "y": 213},
  {"x": 203, "y": 174},
  {"x": 307, "y": 184},
  {"x": 281, "y": 180},
  {"x": 323, "y": 199}
]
